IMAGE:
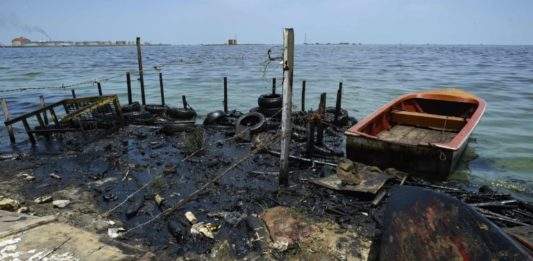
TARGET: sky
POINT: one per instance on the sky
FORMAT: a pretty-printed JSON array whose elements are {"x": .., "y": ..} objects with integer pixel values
[{"x": 262, "y": 21}]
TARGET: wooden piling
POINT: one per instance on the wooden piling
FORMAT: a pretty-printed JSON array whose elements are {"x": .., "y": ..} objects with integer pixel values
[
  {"x": 141, "y": 73},
  {"x": 45, "y": 114},
  {"x": 310, "y": 139},
  {"x": 322, "y": 112},
  {"x": 226, "y": 94},
  {"x": 6, "y": 118},
  {"x": 303, "y": 96},
  {"x": 162, "y": 89},
  {"x": 28, "y": 130},
  {"x": 338, "y": 103},
  {"x": 273, "y": 85},
  {"x": 184, "y": 100},
  {"x": 73, "y": 93},
  {"x": 128, "y": 82},
  {"x": 286, "y": 128},
  {"x": 99, "y": 88}
]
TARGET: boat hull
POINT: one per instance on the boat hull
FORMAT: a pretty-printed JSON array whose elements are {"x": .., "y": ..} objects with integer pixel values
[
  {"x": 424, "y": 134},
  {"x": 423, "y": 161}
]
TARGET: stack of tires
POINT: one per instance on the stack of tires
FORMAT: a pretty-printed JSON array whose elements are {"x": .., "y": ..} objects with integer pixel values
[{"x": 270, "y": 105}]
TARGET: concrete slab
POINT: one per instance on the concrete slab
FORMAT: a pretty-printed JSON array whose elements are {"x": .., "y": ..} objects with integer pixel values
[{"x": 39, "y": 238}]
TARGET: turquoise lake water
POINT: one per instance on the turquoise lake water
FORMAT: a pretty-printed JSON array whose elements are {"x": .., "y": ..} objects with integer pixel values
[{"x": 501, "y": 148}]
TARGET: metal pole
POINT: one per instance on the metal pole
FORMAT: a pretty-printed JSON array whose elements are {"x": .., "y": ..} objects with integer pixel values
[
  {"x": 303, "y": 96},
  {"x": 6, "y": 118},
  {"x": 141, "y": 73},
  {"x": 162, "y": 89},
  {"x": 128, "y": 82},
  {"x": 274, "y": 85},
  {"x": 338, "y": 103},
  {"x": 286, "y": 128},
  {"x": 225, "y": 94},
  {"x": 99, "y": 88}
]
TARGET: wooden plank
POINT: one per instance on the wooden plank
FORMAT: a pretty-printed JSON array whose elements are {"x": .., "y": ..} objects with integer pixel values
[
  {"x": 12, "y": 223},
  {"x": 6, "y": 121},
  {"x": 427, "y": 120},
  {"x": 28, "y": 130},
  {"x": 414, "y": 136},
  {"x": 396, "y": 133}
]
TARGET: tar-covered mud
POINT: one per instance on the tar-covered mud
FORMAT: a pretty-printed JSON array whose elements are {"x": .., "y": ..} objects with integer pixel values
[{"x": 126, "y": 178}]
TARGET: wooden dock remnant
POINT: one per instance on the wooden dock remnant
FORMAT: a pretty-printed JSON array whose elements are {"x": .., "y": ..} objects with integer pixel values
[
  {"x": 141, "y": 73},
  {"x": 303, "y": 96},
  {"x": 322, "y": 112},
  {"x": 225, "y": 94},
  {"x": 128, "y": 82},
  {"x": 6, "y": 118},
  {"x": 161, "y": 88},
  {"x": 83, "y": 111},
  {"x": 286, "y": 128}
]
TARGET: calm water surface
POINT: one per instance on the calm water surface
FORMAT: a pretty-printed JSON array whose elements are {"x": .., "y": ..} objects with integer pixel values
[{"x": 501, "y": 146}]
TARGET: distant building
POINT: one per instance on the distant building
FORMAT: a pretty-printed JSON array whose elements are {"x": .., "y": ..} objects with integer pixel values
[
  {"x": 19, "y": 41},
  {"x": 120, "y": 42},
  {"x": 232, "y": 41}
]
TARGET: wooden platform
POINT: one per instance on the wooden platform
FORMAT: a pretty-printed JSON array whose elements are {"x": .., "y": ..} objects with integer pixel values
[{"x": 413, "y": 135}]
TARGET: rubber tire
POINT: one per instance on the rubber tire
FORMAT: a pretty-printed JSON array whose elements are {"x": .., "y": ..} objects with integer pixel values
[
  {"x": 267, "y": 101},
  {"x": 137, "y": 116},
  {"x": 214, "y": 117},
  {"x": 181, "y": 113},
  {"x": 271, "y": 112},
  {"x": 173, "y": 128},
  {"x": 135, "y": 106},
  {"x": 255, "y": 121},
  {"x": 155, "y": 108}
]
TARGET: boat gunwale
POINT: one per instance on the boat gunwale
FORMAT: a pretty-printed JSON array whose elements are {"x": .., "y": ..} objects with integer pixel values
[{"x": 459, "y": 138}]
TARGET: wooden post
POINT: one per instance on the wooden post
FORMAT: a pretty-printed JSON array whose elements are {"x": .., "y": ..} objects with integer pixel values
[
  {"x": 310, "y": 138},
  {"x": 338, "y": 103},
  {"x": 128, "y": 82},
  {"x": 141, "y": 73},
  {"x": 99, "y": 88},
  {"x": 28, "y": 130},
  {"x": 303, "y": 96},
  {"x": 54, "y": 117},
  {"x": 162, "y": 89},
  {"x": 226, "y": 94},
  {"x": 322, "y": 112},
  {"x": 286, "y": 128},
  {"x": 73, "y": 93},
  {"x": 45, "y": 114},
  {"x": 273, "y": 85},
  {"x": 184, "y": 100},
  {"x": 6, "y": 118}
]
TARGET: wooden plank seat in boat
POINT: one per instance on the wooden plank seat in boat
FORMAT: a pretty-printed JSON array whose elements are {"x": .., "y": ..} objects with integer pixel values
[
  {"x": 428, "y": 120},
  {"x": 414, "y": 136}
]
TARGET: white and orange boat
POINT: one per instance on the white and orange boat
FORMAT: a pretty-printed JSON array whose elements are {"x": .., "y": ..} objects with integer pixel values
[{"x": 422, "y": 133}]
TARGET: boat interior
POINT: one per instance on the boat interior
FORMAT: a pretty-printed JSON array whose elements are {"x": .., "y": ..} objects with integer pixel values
[{"x": 421, "y": 121}]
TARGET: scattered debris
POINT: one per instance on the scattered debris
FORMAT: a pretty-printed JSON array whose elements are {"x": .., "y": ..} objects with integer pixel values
[
  {"x": 23, "y": 210},
  {"x": 116, "y": 232},
  {"x": 26, "y": 176},
  {"x": 43, "y": 199},
  {"x": 206, "y": 229},
  {"x": 281, "y": 245},
  {"x": 191, "y": 217},
  {"x": 9, "y": 204},
  {"x": 347, "y": 173},
  {"x": 55, "y": 176},
  {"x": 61, "y": 203},
  {"x": 158, "y": 199}
]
